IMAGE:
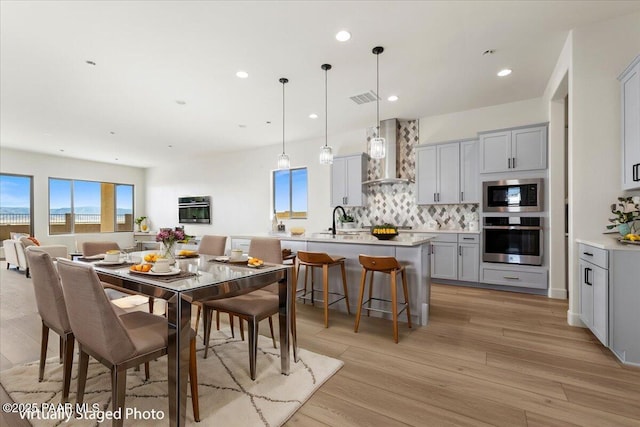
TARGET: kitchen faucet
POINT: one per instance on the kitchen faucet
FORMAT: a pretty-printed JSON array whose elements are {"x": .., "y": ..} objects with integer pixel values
[{"x": 333, "y": 225}]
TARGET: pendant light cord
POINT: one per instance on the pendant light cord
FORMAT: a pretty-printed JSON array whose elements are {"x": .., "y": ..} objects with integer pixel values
[
  {"x": 283, "y": 117},
  {"x": 378, "y": 92},
  {"x": 325, "y": 107}
]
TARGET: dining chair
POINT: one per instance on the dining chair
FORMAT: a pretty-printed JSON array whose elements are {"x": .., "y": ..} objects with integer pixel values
[
  {"x": 53, "y": 312},
  {"x": 252, "y": 307},
  {"x": 212, "y": 245},
  {"x": 118, "y": 342}
]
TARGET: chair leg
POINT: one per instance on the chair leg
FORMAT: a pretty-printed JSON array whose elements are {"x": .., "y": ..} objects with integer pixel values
[
  {"x": 241, "y": 328},
  {"x": 27, "y": 274},
  {"x": 344, "y": 286},
  {"x": 83, "y": 365},
  {"x": 44, "y": 342},
  {"x": 325, "y": 292},
  {"x": 363, "y": 281},
  {"x": 306, "y": 272},
  {"x": 146, "y": 371},
  {"x": 370, "y": 293},
  {"x": 198, "y": 312},
  {"x": 217, "y": 320},
  {"x": 406, "y": 296},
  {"x": 207, "y": 317},
  {"x": 193, "y": 380},
  {"x": 151, "y": 301},
  {"x": 253, "y": 346},
  {"x": 233, "y": 335},
  {"x": 66, "y": 366},
  {"x": 394, "y": 306},
  {"x": 273, "y": 337},
  {"x": 60, "y": 348},
  {"x": 295, "y": 286},
  {"x": 118, "y": 391}
]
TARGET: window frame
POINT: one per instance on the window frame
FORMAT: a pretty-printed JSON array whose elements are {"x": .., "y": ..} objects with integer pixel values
[
  {"x": 31, "y": 198},
  {"x": 281, "y": 215}
]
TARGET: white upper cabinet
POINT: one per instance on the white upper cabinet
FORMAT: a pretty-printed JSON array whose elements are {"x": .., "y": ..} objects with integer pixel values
[
  {"x": 438, "y": 174},
  {"x": 347, "y": 175},
  {"x": 469, "y": 176},
  {"x": 514, "y": 150},
  {"x": 630, "y": 113}
]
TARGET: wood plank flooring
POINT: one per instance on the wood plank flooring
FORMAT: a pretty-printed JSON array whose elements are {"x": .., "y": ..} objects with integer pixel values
[{"x": 487, "y": 358}]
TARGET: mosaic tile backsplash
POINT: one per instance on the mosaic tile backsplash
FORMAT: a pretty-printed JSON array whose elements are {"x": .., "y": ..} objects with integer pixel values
[{"x": 396, "y": 203}]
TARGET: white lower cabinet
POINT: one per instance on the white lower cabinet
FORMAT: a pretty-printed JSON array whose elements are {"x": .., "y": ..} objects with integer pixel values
[
  {"x": 519, "y": 276},
  {"x": 444, "y": 259},
  {"x": 468, "y": 261},
  {"x": 455, "y": 257},
  {"x": 594, "y": 290}
]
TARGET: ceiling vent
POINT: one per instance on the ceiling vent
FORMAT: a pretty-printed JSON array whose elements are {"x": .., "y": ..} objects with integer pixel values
[{"x": 364, "y": 98}]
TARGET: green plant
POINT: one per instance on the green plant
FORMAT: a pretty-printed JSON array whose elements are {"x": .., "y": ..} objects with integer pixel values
[
  {"x": 626, "y": 210},
  {"x": 347, "y": 218},
  {"x": 139, "y": 220}
]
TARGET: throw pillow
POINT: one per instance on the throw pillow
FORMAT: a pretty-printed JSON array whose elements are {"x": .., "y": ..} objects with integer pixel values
[
  {"x": 26, "y": 242},
  {"x": 34, "y": 240},
  {"x": 17, "y": 236}
]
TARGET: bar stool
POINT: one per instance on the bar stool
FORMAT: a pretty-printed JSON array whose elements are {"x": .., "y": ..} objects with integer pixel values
[
  {"x": 388, "y": 265},
  {"x": 321, "y": 259}
]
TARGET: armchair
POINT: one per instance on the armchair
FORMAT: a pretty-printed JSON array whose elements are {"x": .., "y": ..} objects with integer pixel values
[{"x": 14, "y": 252}]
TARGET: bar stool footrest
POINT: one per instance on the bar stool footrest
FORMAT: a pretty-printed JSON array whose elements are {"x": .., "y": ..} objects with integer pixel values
[
  {"x": 305, "y": 296},
  {"x": 379, "y": 310}
]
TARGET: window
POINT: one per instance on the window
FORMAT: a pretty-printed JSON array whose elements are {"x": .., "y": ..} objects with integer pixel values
[
  {"x": 89, "y": 207},
  {"x": 16, "y": 205},
  {"x": 290, "y": 193}
]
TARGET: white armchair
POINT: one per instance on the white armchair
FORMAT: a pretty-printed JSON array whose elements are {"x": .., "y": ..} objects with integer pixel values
[{"x": 14, "y": 252}]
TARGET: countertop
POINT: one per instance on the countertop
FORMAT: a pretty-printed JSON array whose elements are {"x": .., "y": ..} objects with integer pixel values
[
  {"x": 357, "y": 238},
  {"x": 609, "y": 242}
]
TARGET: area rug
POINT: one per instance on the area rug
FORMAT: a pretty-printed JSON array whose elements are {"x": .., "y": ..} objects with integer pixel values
[{"x": 228, "y": 396}]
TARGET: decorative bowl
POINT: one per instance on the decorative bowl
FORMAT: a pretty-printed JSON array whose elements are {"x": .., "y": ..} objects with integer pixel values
[
  {"x": 384, "y": 236},
  {"x": 384, "y": 231}
]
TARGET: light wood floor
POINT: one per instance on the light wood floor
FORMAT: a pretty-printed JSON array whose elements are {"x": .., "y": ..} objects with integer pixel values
[{"x": 486, "y": 358}]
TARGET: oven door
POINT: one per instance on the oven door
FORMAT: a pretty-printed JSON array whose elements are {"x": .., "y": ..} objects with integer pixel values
[
  {"x": 194, "y": 213},
  {"x": 513, "y": 245}
]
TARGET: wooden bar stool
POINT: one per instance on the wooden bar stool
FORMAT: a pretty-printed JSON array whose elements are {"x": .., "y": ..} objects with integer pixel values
[
  {"x": 388, "y": 265},
  {"x": 323, "y": 260}
]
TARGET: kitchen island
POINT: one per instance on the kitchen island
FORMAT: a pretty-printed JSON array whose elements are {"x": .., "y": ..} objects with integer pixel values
[{"x": 408, "y": 248}]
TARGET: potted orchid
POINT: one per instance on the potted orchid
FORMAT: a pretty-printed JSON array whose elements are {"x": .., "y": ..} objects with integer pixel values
[
  {"x": 626, "y": 211},
  {"x": 169, "y": 237}
]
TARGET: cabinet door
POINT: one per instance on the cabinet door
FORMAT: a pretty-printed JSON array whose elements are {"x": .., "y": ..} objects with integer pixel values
[
  {"x": 495, "y": 152},
  {"x": 600, "y": 320},
  {"x": 630, "y": 86},
  {"x": 469, "y": 262},
  {"x": 586, "y": 293},
  {"x": 448, "y": 178},
  {"x": 426, "y": 173},
  {"x": 469, "y": 178},
  {"x": 338, "y": 181},
  {"x": 353, "y": 182},
  {"x": 444, "y": 260},
  {"x": 529, "y": 149}
]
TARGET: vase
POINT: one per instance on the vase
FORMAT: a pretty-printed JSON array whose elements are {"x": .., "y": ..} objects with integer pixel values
[
  {"x": 168, "y": 251},
  {"x": 624, "y": 229}
]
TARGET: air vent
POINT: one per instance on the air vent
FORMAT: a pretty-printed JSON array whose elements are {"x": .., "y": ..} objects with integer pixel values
[{"x": 364, "y": 98}]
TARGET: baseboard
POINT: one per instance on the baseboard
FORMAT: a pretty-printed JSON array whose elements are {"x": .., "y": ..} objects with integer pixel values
[
  {"x": 573, "y": 319},
  {"x": 558, "y": 293}
]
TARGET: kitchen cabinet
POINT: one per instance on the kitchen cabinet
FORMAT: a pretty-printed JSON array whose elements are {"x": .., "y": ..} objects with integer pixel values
[
  {"x": 518, "y": 149},
  {"x": 468, "y": 257},
  {"x": 438, "y": 174},
  {"x": 630, "y": 113},
  {"x": 469, "y": 175},
  {"x": 347, "y": 175},
  {"x": 514, "y": 275},
  {"x": 455, "y": 257},
  {"x": 594, "y": 290}
]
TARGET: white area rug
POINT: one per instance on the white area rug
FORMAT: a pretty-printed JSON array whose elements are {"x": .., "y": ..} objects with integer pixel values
[{"x": 228, "y": 397}]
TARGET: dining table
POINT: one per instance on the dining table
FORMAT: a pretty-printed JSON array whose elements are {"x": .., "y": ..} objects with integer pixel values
[{"x": 197, "y": 279}]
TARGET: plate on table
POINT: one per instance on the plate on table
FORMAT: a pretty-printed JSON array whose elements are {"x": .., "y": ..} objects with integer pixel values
[
  {"x": 221, "y": 258},
  {"x": 109, "y": 262},
  {"x": 256, "y": 266},
  {"x": 189, "y": 255},
  {"x": 242, "y": 260},
  {"x": 172, "y": 271}
]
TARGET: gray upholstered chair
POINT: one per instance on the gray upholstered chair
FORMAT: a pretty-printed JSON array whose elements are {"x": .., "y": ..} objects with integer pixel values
[
  {"x": 97, "y": 248},
  {"x": 15, "y": 252},
  {"x": 53, "y": 312},
  {"x": 252, "y": 307},
  {"x": 211, "y": 245},
  {"x": 118, "y": 342}
]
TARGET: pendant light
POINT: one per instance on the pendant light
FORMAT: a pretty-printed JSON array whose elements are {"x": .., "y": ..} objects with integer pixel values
[
  {"x": 283, "y": 159},
  {"x": 326, "y": 152},
  {"x": 377, "y": 149}
]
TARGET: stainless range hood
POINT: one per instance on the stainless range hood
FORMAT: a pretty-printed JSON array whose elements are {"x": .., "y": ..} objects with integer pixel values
[{"x": 388, "y": 131}]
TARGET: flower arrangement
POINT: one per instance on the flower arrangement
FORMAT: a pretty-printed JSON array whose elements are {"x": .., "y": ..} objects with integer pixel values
[
  {"x": 139, "y": 222},
  {"x": 626, "y": 211},
  {"x": 170, "y": 236}
]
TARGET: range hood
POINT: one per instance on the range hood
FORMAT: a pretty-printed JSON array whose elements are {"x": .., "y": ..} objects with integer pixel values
[{"x": 388, "y": 131}]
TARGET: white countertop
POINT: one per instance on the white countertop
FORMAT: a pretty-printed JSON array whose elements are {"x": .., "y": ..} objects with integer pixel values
[
  {"x": 404, "y": 239},
  {"x": 609, "y": 242}
]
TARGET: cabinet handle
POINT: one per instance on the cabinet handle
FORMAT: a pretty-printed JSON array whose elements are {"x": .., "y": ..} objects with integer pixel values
[
  {"x": 586, "y": 276},
  {"x": 468, "y": 238},
  {"x": 438, "y": 196},
  {"x": 587, "y": 253},
  {"x": 636, "y": 172},
  {"x": 513, "y": 162},
  {"x": 344, "y": 200},
  {"x": 460, "y": 250},
  {"x": 511, "y": 277},
  {"x": 461, "y": 196},
  {"x": 434, "y": 197},
  {"x": 509, "y": 163}
]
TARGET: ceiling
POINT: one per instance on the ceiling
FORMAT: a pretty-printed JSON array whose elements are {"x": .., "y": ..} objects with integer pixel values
[{"x": 164, "y": 76}]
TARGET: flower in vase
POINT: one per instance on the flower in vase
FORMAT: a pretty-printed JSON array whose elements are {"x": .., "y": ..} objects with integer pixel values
[{"x": 169, "y": 236}]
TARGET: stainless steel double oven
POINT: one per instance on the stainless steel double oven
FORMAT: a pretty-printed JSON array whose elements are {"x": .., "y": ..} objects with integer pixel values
[{"x": 514, "y": 238}]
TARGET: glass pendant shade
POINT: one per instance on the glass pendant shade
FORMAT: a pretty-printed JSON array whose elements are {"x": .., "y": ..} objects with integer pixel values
[
  {"x": 283, "y": 161},
  {"x": 377, "y": 148},
  {"x": 326, "y": 155}
]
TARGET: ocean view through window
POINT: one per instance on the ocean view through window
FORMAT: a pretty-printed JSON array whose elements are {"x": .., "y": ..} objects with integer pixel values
[
  {"x": 290, "y": 193},
  {"x": 77, "y": 206},
  {"x": 16, "y": 205}
]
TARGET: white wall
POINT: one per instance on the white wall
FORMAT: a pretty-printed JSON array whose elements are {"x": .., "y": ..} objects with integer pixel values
[
  {"x": 240, "y": 187},
  {"x": 467, "y": 124},
  {"x": 42, "y": 167}
]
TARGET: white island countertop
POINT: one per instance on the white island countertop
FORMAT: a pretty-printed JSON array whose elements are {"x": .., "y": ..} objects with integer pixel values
[
  {"x": 609, "y": 242},
  {"x": 356, "y": 238}
]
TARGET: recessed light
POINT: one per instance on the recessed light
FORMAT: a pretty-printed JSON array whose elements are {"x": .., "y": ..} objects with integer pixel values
[
  {"x": 268, "y": 123},
  {"x": 242, "y": 74},
  {"x": 489, "y": 52},
  {"x": 392, "y": 98},
  {"x": 112, "y": 133},
  {"x": 504, "y": 73},
  {"x": 313, "y": 116},
  {"x": 343, "y": 36},
  {"x": 242, "y": 126},
  {"x": 170, "y": 146},
  {"x": 90, "y": 62},
  {"x": 180, "y": 102},
  {"x": 61, "y": 150}
]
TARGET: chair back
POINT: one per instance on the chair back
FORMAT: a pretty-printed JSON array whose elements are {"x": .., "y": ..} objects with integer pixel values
[
  {"x": 267, "y": 249},
  {"x": 212, "y": 245},
  {"x": 92, "y": 317},
  {"x": 379, "y": 263},
  {"x": 95, "y": 248},
  {"x": 314, "y": 258},
  {"x": 48, "y": 290}
]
